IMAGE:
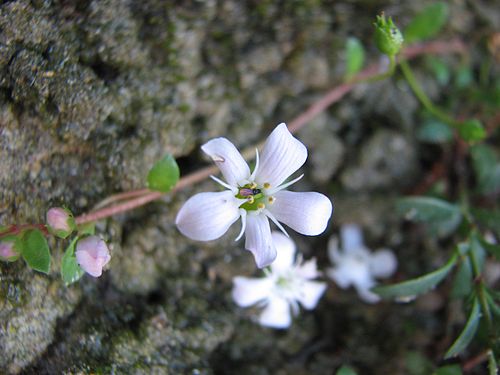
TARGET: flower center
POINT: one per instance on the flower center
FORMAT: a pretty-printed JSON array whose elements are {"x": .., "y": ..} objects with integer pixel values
[{"x": 255, "y": 196}]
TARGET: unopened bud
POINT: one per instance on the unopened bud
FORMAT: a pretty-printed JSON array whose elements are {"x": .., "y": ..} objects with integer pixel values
[
  {"x": 60, "y": 222},
  {"x": 8, "y": 252},
  {"x": 388, "y": 38},
  {"x": 92, "y": 255}
]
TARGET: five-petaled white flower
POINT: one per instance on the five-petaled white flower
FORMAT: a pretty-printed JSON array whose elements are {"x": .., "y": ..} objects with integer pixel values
[
  {"x": 256, "y": 197},
  {"x": 356, "y": 265},
  {"x": 287, "y": 284}
]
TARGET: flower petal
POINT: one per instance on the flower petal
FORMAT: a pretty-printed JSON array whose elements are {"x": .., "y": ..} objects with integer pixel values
[
  {"x": 351, "y": 236},
  {"x": 281, "y": 156},
  {"x": 229, "y": 160},
  {"x": 308, "y": 270},
  {"x": 276, "y": 314},
  {"x": 207, "y": 216},
  {"x": 285, "y": 249},
  {"x": 307, "y": 213},
  {"x": 259, "y": 240},
  {"x": 248, "y": 291},
  {"x": 310, "y": 293},
  {"x": 92, "y": 255},
  {"x": 340, "y": 276},
  {"x": 366, "y": 294},
  {"x": 383, "y": 263}
]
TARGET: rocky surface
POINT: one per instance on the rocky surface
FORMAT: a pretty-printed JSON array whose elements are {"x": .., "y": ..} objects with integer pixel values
[{"x": 93, "y": 92}]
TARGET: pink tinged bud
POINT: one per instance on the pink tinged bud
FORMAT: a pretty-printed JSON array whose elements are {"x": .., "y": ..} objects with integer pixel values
[
  {"x": 92, "y": 255},
  {"x": 60, "y": 222},
  {"x": 7, "y": 250}
]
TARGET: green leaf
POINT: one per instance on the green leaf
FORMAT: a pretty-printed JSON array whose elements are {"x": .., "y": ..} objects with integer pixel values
[
  {"x": 417, "y": 363},
  {"x": 443, "y": 217},
  {"x": 462, "y": 285},
  {"x": 411, "y": 288},
  {"x": 35, "y": 251},
  {"x": 440, "y": 70},
  {"x": 434, "y": 131},
  {"x": 472, "y": 131},
  {"x": 355, "y": 57},
  {"x": 427, "y": 23},
  {"x": 164, "y": 174},
  {"x": 468, "y": 333},
  {"x": 463, "y": 77},
  {"x": 492, "y": 363},
  {"x": 493, "y": 249},
  {"x": 486, "y": 167},
  {"x": 488, "y": 218},
  {"x": 346, "y": 370},
  {"x": 448, "y": 370},
  {"x": 477, "y": 251},
  {"x": 70, "y": 270}
]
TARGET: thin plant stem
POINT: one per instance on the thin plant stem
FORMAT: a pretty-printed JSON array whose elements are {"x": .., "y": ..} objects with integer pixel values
[
  {"x": 16, "y": 229},
  {"x": 422, "y": 96}
]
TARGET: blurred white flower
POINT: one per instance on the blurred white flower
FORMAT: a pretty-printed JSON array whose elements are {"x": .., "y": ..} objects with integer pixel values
[
  {"x": 355, "y": 265},
  {"x": 285, "y": 285},
  {"x": 256, "y": 197}
]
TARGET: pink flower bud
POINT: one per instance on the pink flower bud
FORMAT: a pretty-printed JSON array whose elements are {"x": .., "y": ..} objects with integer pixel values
[
  {"x": 60, "y": 222},
  {"x": 7, "y": 251},
  {"x": 92, "y": 255}
]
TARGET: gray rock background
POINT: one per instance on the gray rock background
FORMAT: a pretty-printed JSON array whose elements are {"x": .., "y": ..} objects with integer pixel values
[{"x": 93, "y": 92}]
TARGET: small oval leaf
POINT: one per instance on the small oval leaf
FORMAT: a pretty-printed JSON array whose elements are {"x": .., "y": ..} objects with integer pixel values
[
  {"x": 472, "y": 131},
  {"x": 346, "y": 370},
  {"x": 427, "y": 23},
  {"x": 164, "y": 174},
  {"x": 355, "y": 57},
  {"x": 442, "y": 216},
  {"x": 434, "y": 132},
  {"x": 35, "y": 250},
  {"x": 419, "y": 285},
  {"x": 70, "y": 269},
  {"x": 468, "y": 333}
]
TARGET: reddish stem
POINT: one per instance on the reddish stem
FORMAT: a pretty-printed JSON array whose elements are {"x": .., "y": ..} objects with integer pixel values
[
  {"x": 144, "y": 196},
  {"x": 16, "y": 229}
]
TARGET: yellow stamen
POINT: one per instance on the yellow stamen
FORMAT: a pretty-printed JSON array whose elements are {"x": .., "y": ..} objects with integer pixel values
[
  {"x": 271, "y": 200},
  {"x": 261, "y": 206},
  {"x": 251, "y": 199},
  {"x": 253, "y": 185},
  {"x": 267, "y": 185}
]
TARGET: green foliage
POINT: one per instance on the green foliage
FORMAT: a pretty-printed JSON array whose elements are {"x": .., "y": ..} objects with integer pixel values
[
  {"x": 34, "y": 249},
  {"x": 427, "y": 23},
  {"x": 70, "y": 270},
  {"x": 468, "y": 333},
  {"x": 164, "y": 174},
  {"x": 440, "y": 69},
  {"x": 462, "y": 284},
  {"x": 486, "y": 168},
  {"x": 434, "y": 131},
  {"x": 448, "y": 370},
  {"x": 442, "y": 217},
  {"x": 355, "y": 57},
  {"x": 414, "y": 287},
  {"x": 472, "y": 131},
  {"x": 417, "y": 364},
  {"x": 346, "y": 370}
]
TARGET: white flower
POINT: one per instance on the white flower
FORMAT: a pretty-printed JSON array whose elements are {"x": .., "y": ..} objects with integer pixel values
[
  {"x": 92, "y": 255},
  {"x": 255, "y": 197},
  {"x": 356, "y": 265},
  {"x": 282, "y": 289}
]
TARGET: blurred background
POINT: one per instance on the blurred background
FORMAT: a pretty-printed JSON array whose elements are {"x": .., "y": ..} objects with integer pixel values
[{"x": 92, "y": 93}]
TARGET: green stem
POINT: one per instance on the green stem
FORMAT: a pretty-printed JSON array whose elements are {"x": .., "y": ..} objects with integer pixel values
[{"x": 422, "y": 96}]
